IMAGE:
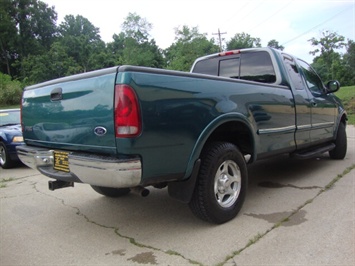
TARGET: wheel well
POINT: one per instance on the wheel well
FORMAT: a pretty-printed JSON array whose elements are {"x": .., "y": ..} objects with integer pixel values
[
  {"x": 344, "y": 118},
  {"x": 237, "y": 133}
]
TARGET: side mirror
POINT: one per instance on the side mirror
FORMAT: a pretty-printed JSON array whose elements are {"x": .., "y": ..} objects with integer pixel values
[{"x": 332, "y": 86}]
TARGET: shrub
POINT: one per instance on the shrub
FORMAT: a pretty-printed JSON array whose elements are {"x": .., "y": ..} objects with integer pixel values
[{"x": 10, "y": 91}]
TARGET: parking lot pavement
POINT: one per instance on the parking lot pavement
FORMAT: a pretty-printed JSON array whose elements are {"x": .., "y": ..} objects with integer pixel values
[{"x": 296, "y": 213}]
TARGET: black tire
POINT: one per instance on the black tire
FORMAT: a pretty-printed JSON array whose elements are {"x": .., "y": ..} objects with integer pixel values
[
  {"x": 222, "y": 183},
  {"x": 111, "y": 192},
  {"x": 339, "y": 152},
  {"x": 5, "y": 160}
]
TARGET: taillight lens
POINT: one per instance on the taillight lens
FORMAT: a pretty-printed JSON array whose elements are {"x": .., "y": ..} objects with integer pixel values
[{"x": 127, "y": 115}]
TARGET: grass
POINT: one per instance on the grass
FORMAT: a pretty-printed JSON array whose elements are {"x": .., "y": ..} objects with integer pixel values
[
  {"x": 347, "y": 96},
  {"x": 4, "y": 181},
  {"x": 9, "y": 106}
]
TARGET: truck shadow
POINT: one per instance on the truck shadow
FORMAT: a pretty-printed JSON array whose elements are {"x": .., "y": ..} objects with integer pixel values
[{"x": 158, "y": 208}]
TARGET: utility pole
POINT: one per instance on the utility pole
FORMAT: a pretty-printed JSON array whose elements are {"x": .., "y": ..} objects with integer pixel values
[{"x": 219, "y": 38}]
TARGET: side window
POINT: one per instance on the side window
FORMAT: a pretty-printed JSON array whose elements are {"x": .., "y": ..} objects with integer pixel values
[
  {"x": 293, "y": 72},
  {"x": 208, "y": 66},
  {"x": 229, "y": 68},
  {"x": 314, "y": 83},
  {"x": 257, "y": 66}
]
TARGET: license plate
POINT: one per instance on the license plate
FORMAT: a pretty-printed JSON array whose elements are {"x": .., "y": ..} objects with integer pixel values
[{"x": 61, "y": 162}]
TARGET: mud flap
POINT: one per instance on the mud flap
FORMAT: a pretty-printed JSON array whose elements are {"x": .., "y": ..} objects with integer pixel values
[{"x": 183, "y": 190}]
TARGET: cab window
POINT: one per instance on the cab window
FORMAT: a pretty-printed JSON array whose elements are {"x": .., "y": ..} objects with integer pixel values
[
  {"x": 229, "y": 68},
  {"x": 207, "y": 66},
  {"x": 293, "y": 72},
  {"x": 253, "y": 66},
  {"x": 257, "y": 66},
  {"x": 313, "y": 81}
]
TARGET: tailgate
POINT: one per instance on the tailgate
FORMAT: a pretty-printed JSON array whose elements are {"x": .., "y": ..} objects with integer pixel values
[{"x": 73, "y": 113}]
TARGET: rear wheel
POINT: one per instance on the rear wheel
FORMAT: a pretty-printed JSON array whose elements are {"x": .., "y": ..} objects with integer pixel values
[
  {"x": 111, "y": 192},
  {"x": 222, "y": 183},
  {"x": 340, "y": 149}
]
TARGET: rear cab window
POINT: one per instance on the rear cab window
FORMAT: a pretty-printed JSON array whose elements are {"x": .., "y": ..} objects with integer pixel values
[{"x": 252, "y": 66}]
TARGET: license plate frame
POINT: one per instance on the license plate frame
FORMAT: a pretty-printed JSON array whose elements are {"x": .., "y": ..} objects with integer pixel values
[{"x": 61, "y": 161}]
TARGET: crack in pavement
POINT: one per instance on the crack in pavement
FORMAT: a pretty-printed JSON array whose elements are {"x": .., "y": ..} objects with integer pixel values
[
  {"x": 260, "y": 236},
  {"x": 12, "y": 180},
  {"x": 116, "y": 230},
  {"x": 229, "y": 258}
]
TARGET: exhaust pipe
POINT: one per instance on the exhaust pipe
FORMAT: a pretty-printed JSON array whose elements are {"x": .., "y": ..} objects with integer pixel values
[
  {"x": 141, "y": 191},
  {"x": 53, "y": 185}
]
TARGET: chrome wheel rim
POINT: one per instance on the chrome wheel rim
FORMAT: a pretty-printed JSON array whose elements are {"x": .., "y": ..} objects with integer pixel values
[
  {"x": 227, "y": 184},
  {"x": 2, "y": 155}
]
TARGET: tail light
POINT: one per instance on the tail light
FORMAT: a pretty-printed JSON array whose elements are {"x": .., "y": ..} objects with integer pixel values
[
  {"x": 127, "y": 115},
  {"x": 21, "y": 107}
]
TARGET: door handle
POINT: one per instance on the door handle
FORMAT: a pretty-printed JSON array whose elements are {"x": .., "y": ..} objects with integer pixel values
[
  {"x": 313, "y": 103},
  {"x": 56, "y": 94}
]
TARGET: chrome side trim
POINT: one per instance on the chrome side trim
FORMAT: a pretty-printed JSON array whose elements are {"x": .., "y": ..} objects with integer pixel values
[
  {"x": 304, "y": 127},
  {"x": 323, "y": 125},
  {"x": 279, "y": 130}
]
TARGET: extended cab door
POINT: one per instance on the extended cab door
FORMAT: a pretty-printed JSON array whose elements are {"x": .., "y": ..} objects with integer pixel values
[
  {"x": 323, "y": 108},
  {"x": 302, "y": 102}
]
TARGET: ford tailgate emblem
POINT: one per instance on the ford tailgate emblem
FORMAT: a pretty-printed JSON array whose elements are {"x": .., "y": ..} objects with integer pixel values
[{"x": 100, "y": 131}]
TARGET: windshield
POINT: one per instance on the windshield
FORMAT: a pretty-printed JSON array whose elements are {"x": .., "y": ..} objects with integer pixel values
[{"x": 9, "y": 117}]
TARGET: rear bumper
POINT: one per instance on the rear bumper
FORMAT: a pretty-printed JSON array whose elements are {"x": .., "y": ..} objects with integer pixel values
[{"x": 86, "y": 168}]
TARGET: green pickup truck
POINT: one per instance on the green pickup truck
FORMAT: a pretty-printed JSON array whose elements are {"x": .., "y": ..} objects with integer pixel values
[{"x": 125, "y": 128}]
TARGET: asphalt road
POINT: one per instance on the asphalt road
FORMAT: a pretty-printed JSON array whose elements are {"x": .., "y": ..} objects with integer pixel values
[{"x": 296, "y": 213}]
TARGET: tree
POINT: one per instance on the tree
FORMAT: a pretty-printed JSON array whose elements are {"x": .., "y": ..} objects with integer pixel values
[
  {"x": 82, "y": 41},
  {"x": 55, "y": 63},
  {"x": 275, "y": 44},
  {"x": 115, "y": 48},
  {"x": 8, "y": 36},
  {"x": 328, "y": 60},
  {"x": 243, "y": 40},
  {"x": 136, "y": 27},
  {"x": 349, "y": 64},
  {"x": 189, "y": 45},
  {"x": 26, "y": 27},
  {"x": 133, "y": 45},
  {"x": 327, "y": 44},
  {"x": 10, "y": 90}
]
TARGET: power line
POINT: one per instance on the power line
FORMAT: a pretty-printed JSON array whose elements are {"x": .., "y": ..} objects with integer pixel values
[
  {"x": 236, "y": 13},
  {"x": 278, "y": 11},
  {"x": 320, "y": 24}
]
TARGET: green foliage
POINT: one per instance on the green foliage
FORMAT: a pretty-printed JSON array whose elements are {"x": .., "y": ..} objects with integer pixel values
[
  {"x": 330, "y": 64},
  {"x": 27, "y": 27},
  {"x": 10, "y": 91},
  {"x": 189, "y": 45},
  {"x": 34, "y": 49},
  {"x": 327, "y": 44},
  {"x": 349, "y": 63},
  {"x": 133, "y": 46},
  {"x": 137, "y": 28},
  {"x": 243, "y": 40},
  {"x": 275, "y": 44},
  {"x": 347, "y": 96},
  {"x": 54, "y": 64},
  {"x": 82, "y": 42}
]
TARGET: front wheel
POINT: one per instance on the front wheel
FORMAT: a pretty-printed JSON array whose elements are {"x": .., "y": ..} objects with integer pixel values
[
  {"x": 222, "y": 183},
  {"x": 111, "y": 192},
  {"x": 5, "y": 160},
  {"x": 340, "y": 149}
]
